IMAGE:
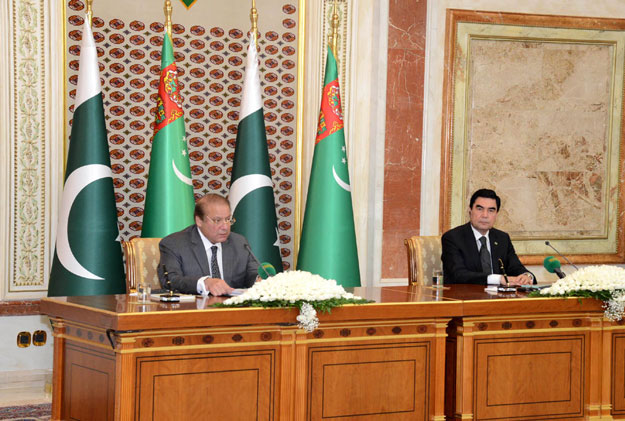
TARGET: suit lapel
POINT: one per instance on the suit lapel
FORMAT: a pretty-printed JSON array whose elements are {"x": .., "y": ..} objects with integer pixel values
[
  {"x": 227, "y": 257},
  {"x": 199, "y": 251}
]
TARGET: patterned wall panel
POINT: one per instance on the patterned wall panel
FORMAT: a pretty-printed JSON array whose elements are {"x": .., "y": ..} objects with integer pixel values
[
  {"x": 28, "y": 132},
  {"x": 211, "y": 64}
]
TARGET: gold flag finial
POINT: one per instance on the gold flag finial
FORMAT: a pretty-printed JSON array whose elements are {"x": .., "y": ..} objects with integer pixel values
[
  {"x": 89, "y": 12},
  {"x": 333, "y": 38},
  {"x": 167, "y": 9},
  {"x": 254, "y": 19}
]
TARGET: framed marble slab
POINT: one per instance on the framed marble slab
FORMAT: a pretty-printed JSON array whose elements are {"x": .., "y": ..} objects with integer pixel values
[{"x": 533, "y": 108}]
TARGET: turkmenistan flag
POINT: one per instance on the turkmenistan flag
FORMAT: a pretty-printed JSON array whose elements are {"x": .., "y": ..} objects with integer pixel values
[
  {"x": 169, "y": 200},
  {"x": 328, "y": 244},
  {"x": 251, "y": 190},
  {"x": 88, "y": 255}
]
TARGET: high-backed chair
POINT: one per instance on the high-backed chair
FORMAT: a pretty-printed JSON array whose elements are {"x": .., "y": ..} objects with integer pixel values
[
  {"x": 142, "y": 257},
  {"x": 424, "y": 257}
]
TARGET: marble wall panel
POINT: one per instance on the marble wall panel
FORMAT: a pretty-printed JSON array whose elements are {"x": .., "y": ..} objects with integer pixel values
[
  {"x": 537, "y": 116},
  {"x": 404, "y": 125}
]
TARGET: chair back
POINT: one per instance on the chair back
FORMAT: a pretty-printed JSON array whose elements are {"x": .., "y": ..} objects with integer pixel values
[
  {"x": 424, "y": 257},
  {"x": 142, "y": 257}
]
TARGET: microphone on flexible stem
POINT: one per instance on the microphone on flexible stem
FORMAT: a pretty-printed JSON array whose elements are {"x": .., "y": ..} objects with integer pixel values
[
  {"x": 507, "y": 287},
  {"x": 265, "y": 270},
  {"x": 247, "y": 247},
  {"x": 547, "y": 243},
  {"x": 503, "y": 271},
  {"x": 553, "y": 266},
  {"x": 171, "y": 297}
]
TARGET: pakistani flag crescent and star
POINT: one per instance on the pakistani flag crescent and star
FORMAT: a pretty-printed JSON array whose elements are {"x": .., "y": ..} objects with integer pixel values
[
  {"x": 88, "y": 256},
  {"x": 169, "y": 201},
  {"x": 251, "y": 189},
  {"x": 328, "y": 243}
]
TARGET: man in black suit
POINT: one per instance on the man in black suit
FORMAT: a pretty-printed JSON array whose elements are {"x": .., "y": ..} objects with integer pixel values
[
  {"x": 206, "y": 257},
  {"x": 473, "y": 252}
]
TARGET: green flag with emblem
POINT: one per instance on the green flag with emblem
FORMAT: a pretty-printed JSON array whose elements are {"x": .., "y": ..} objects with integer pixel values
[
  {"x": 328, "y": 243},
  {"x": 88, "y": 256},
  {"x": 169, "y": 201},
  {"x": 251, "y": 189}
]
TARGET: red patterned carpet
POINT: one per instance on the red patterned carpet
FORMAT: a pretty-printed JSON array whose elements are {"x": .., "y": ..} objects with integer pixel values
[{"x": 26, "y": 412}]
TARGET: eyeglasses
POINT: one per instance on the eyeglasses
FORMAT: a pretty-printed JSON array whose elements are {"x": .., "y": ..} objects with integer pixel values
[{"x": 218, "y": 221}]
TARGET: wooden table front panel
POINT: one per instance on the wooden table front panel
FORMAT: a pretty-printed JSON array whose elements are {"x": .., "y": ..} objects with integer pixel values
[
  {"x": 384, "y": 380},
  {"x": 618, "y": 375},
  {"x": 533, "y": 377},
  {"x": 235, "y": 385},
  {"x": 89, "y": 385},
  {"x": 523, "y": 367},
  {"x": 384, "y": 372}
]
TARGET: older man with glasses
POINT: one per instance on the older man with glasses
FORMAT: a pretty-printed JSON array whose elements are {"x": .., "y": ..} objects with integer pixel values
[{"x": 206, "y": 257}]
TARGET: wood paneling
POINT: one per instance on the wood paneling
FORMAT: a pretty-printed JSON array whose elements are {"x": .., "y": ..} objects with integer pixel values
[
  {"x": 403, "y": 357},
  {"x": 618, "y": 374},
  {"x": 387, "y": 380},
  {"x": 89, "y": 387},
  {"x": 531, "y": 377},
  {"x": 233, "y": 386}
]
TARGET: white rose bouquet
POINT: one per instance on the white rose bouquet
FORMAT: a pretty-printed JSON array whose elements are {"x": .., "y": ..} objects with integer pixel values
[
  {"x": 606, "y": 283},
  {"x": 310, "y": 293}
]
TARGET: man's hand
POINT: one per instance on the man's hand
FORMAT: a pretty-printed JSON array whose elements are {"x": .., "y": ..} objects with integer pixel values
[
  {"x": 523, "y": 279},
  {"x": 217, "y": 286}
]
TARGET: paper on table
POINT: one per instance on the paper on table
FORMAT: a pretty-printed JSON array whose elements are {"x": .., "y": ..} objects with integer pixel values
[{"x": 237, "y": 291}]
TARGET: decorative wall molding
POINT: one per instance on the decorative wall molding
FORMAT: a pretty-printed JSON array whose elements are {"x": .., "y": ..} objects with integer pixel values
[{"x": 30, "y": 125}]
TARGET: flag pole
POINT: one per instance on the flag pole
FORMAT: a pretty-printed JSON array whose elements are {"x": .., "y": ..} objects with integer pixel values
[
  {"x": 334, "y": 32},
  {"x": 254, "y": 19},
  {"x": 167, "y": 8},
  {"x": 89, "y": 14}
]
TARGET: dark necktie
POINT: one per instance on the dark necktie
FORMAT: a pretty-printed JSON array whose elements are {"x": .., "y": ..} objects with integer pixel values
[
  {"x": 214, "y": 265},
  {"x": 485, "y": 256}
]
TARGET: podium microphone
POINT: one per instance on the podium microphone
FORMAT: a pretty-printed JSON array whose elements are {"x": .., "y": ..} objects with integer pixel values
[
  {"x": 553, "y": 266},
  {"x": 265, "y": 270},
  {"x": 547, "y": 243}
]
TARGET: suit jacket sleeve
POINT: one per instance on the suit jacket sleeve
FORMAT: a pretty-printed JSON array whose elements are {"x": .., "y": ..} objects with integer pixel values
[
  {"x": 514, "y": 267},
  {"x": 458, "y": 265},
  {"x": 182, "y": 280}
]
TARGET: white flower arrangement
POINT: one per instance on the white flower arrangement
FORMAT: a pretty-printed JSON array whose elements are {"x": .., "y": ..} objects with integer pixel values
[
  {"x": 606, "y": 283},
  {"x": 310, "y": 293}
]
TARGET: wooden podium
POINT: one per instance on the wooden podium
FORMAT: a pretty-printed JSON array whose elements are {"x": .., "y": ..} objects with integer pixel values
[{"x": 415, "y": 354}]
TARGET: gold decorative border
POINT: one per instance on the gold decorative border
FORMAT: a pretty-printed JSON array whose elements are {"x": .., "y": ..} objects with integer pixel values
[
  {"x": 28, "y": 207},
  {"x": 453, "y": 183},
  {"x": 299, "y": 131}
]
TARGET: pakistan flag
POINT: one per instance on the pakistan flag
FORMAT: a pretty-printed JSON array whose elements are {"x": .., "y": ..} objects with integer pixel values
[
  {"x": 251, "y": 189},
  {"x": 88, "y": 255}
]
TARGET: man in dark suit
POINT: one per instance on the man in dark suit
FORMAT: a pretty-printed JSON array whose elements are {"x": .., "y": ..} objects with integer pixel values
[
  {"x": 206, "y": 257},
  {"x": 474, "y": 252}
]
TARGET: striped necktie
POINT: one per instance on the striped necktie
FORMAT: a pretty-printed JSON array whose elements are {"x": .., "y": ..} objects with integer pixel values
[
  {"x": 214, "y": 265},
  {"x": 485, "y": 256}
]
